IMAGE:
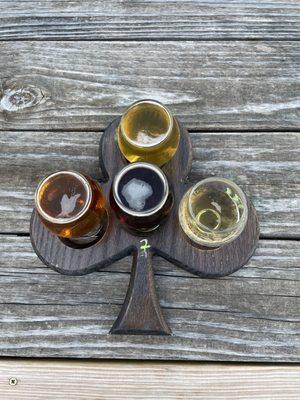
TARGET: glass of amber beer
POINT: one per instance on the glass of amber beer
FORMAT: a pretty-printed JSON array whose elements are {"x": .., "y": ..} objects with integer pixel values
[
  {"x": 213, "y": 212},
  {"x": 72, "y": 206},
  {"x": 148, "y": 132}
]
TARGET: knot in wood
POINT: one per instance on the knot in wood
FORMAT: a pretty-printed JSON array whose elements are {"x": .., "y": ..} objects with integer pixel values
[{"x": 19, "y": 98}]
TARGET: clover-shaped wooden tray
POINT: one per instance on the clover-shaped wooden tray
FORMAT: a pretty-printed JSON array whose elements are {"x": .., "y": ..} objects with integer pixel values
[{"x": 141, "y": 313}]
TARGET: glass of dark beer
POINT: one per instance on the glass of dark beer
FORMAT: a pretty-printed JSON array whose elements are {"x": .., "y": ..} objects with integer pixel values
[{"x": 141, "y": 197}]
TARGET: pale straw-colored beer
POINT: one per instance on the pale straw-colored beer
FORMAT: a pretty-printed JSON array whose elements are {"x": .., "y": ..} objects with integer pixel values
[
  {"x": 213, "y": 212},
  {"x": 148, "y": 132}
]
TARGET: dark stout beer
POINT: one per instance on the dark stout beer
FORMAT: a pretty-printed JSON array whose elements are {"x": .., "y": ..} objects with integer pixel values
[{"x": 140, "y": 197}]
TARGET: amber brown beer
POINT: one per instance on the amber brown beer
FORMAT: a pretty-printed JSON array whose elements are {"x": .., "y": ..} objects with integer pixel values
[
  {"x": 71, "y": 206},
  {"x": 148, "y": 132},
  {"x": 213, "y": 212},
  {"x": 140, "y": 197}
]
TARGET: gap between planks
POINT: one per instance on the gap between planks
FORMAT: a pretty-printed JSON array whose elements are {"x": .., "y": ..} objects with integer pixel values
[
  {"x": 262, "y": 236},
  {"x": 195, "y": 131},
  {"x": 237, "y": 318}
]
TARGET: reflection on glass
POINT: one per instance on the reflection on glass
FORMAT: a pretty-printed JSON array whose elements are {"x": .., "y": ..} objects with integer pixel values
[
  {"x": 148, "y": 132},
  {"x": 72, "y": 206},
  {"x": 213, "y": 212},
  {"x": 140, "y": 197}
]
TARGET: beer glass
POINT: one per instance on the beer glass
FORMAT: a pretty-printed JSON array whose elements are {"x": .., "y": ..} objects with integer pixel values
[
  {"x": 72, "y": 206},
  {"x": 140, "y": 197},
  {"x": 213, "y": 212},
  {"x": 148, "y": 132}
]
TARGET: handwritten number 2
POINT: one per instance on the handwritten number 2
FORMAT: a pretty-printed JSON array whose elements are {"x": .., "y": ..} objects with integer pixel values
[{"x": 145, "y": 245}]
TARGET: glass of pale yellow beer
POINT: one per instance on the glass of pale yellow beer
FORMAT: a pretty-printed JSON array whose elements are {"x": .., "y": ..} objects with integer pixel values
[
  {"x": 214, "y": 212},
  {"x": 148, "y": 132}
]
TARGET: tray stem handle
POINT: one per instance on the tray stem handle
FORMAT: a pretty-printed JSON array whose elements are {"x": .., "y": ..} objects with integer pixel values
[{"x": 141, "y": 313}]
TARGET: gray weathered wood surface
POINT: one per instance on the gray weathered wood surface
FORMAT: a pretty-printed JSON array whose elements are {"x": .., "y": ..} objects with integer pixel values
[
  {"x": 230, "y": 72},
  {"x": 215, "y": 85},
  {"x": 252, "y": 315},
  {"x": 106, "y": 19},
  {"x": 256, "y": 161}
]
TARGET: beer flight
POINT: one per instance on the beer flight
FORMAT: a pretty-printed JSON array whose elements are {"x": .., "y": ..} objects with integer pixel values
[{"x": 73, "y": 206}]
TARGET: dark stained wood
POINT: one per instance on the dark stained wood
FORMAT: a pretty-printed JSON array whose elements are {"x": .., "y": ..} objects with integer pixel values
[
  {"x": 209, "y": 85},
  {"x": 141, "y": 313},
  {"x": 251, "y": 315},
  {"x": 75, "y": 261},
  {"x": 216, "y": 84},
  {"x": 265, "y": 164},
  {"x": 177, "y": 19}
]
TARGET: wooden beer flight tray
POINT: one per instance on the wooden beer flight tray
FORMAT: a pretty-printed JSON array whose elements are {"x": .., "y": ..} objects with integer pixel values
[{"x": 141, "y": 312}]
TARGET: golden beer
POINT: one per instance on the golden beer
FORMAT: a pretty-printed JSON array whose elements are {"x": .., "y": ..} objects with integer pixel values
[
  {"x": 72, "y": 206},
  {"x": 213, "y": 212},
  {"x": 148, "y": 132}
]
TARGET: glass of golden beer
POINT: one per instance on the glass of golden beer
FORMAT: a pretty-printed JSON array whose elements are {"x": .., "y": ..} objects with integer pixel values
[
  {"x": 213, "y": 212},
  {"x": 140, "y": 197},
  {"x": 148, "y": 132},
  {"x": 72, "y": 206}
]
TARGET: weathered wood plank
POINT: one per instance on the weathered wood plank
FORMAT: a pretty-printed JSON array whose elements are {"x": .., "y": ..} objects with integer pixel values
[
  {"x": 78, "y": 380},
  {"x": 251, "y": 315},
  {"x": 91, "y": 19},
  {"x": 211, "y": 85},
  {"x": 265, "y": 164}
]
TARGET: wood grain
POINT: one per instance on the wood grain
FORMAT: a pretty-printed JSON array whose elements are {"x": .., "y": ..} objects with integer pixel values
[
  {"x": 78, "y": 380},
  {"x": 213, "y": 82},
  {"x": 141, "y": 313},
  {"x": 91, "y": 19},
  {"x": 252, "y": 315},
  {"x": 209, "y": 85},
  {"x": 168, "y": 241},
  {"x": 265, "y": 164}
]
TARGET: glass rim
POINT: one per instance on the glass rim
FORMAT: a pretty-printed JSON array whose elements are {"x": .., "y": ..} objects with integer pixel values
[
  {"x": 242, "y": 221},
  {"x": 166, "y": 134},
  {"x": 127, "y": 168},
  {"x": 60, "y": 221}
]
